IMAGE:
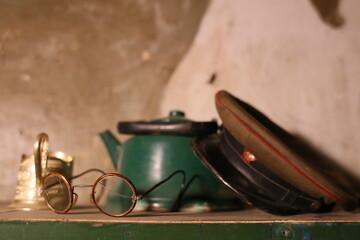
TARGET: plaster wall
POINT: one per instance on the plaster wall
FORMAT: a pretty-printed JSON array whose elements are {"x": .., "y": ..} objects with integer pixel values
[{"x": 72, "y": 69}]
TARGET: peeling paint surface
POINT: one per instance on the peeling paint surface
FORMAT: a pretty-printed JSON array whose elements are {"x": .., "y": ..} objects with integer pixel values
[{"x": 288, "y": 62}]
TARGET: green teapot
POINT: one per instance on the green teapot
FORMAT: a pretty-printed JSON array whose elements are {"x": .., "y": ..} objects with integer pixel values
[{"x": 157, "y": 149}]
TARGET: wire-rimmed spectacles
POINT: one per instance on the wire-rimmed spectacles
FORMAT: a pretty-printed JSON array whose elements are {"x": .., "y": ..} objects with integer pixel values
[{"x": 112, "y": 193}]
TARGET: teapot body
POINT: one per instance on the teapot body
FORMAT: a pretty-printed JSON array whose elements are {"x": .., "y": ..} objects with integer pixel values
[
  {"x": 157, "y": 149},
  {"x": 148, "y": 159}
]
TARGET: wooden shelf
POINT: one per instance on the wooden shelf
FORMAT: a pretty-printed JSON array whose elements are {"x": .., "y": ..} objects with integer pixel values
[{"x": 89, "y": 223}]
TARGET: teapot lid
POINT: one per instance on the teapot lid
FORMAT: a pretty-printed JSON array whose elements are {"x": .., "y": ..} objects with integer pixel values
[
  {"x": 174, "y": 124},
  {"x": 174, "y": 116}
]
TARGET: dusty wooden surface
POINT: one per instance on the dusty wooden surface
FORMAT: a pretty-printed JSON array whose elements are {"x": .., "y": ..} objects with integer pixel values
[{"x": 91, "y": 214}]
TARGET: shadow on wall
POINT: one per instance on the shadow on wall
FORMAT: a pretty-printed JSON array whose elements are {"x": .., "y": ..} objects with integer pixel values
[
  {"x": 324, "y": 163},
  {"x": 328, "y": 11}
]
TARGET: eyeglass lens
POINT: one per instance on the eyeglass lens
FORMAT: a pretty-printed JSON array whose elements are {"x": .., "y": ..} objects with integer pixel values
[
  {"x": 57, "y": 193},
  {"x": 119, "y": 195}
]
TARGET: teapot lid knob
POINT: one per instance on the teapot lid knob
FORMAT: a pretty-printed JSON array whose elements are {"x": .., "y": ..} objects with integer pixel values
[{"x": 176, "y": 113}]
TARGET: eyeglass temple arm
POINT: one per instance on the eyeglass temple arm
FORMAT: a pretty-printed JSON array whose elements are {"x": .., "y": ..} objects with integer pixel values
[
  {"x": 87, "y": 171},
  {"x": 141, "y": 196},
  {"x": 182, "y": 192}
]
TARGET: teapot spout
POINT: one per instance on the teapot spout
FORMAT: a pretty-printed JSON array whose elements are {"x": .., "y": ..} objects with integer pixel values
[{"x": 112, "y": 145}]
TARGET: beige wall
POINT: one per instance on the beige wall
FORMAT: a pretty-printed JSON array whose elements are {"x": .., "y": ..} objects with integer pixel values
[
  {"x": 75, "y": 68},
  {"x": 299, "y": 68}
]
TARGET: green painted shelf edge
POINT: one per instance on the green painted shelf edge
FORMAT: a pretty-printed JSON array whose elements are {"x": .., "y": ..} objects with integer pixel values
[
  {"x": 101, "y": 231},
  {"x": 88, "y": 223}
]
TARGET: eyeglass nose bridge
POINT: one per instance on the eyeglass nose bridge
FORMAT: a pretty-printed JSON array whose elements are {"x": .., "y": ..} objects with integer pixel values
[
  {"x": 76, "y": 195},
  {"x": 92, "y": 200}
]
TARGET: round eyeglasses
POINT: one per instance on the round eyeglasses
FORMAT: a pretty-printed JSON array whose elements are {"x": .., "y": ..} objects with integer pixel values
[{"x": 112, "y": 193}]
